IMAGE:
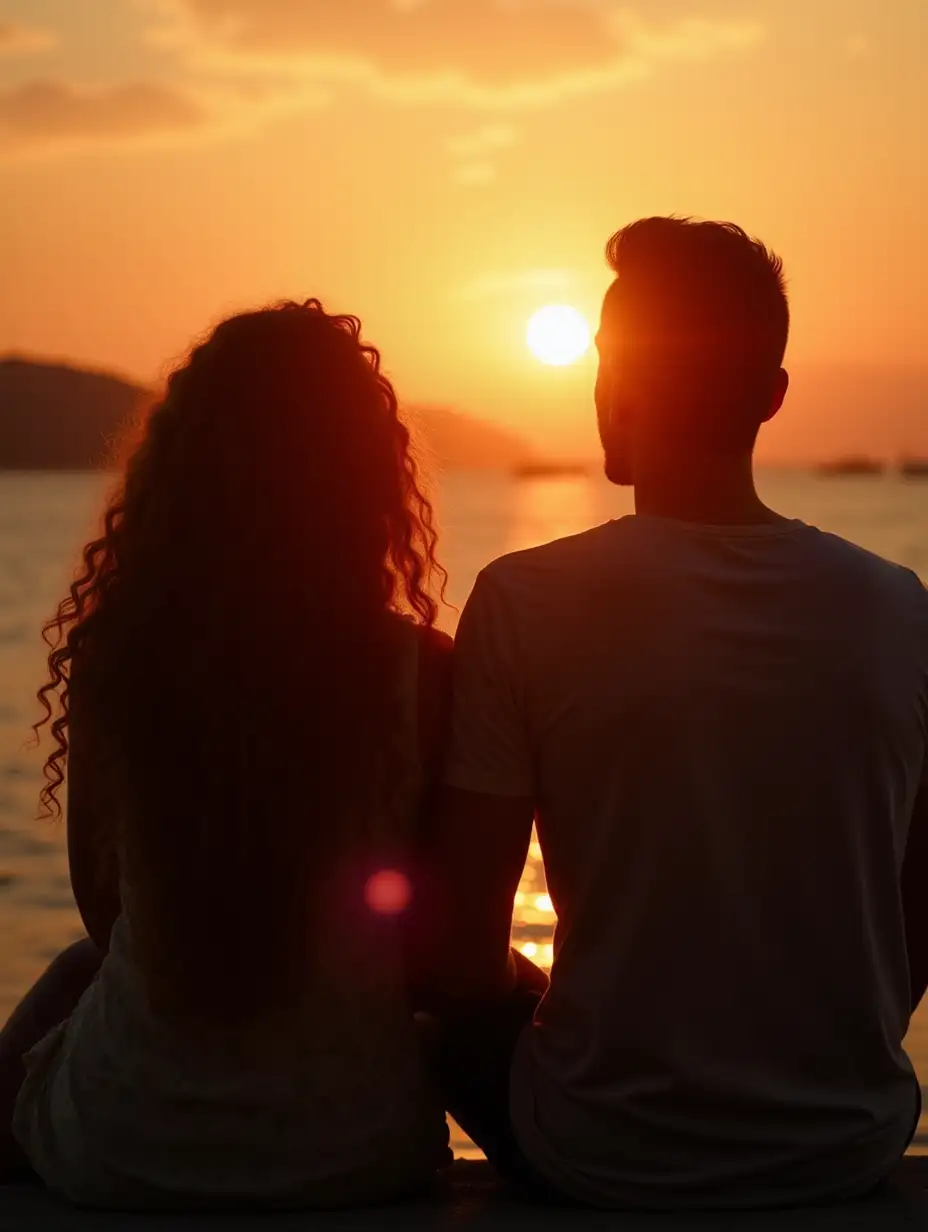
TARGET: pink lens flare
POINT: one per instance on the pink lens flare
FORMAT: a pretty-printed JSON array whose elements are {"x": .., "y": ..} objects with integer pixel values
[{"x": 388, "y": 892}]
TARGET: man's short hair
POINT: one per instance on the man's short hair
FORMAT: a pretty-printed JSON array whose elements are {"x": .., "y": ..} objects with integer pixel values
[{"x": 704, "y": 295}]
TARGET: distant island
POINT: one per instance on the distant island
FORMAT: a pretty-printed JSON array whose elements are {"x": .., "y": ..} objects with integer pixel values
[
  {"x": 59, "y": 417},
  {"x": 55, "y": 417},
  {"x": 910, "y": 467},
  {"x": 536, "y": 468}
]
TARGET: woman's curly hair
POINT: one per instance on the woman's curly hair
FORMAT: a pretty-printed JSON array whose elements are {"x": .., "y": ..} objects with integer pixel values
[{"x": 231, "y": 648}]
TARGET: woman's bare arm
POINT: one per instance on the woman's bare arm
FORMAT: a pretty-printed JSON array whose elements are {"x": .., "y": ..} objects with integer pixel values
[
  {"x": 436, "y": 655},
  {"x": 91, "y": 852},
  {"x": 915, "y": 897},
  {"x": 436, "y": 664}
]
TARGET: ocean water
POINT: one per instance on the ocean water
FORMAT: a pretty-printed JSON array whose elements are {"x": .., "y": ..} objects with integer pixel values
[{"x": 44, "y": 519}]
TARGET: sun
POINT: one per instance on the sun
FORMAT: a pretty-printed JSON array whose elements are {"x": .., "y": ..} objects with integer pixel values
[{"x": 558, "y": 335}]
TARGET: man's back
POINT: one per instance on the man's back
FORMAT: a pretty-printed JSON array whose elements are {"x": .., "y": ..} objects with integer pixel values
[{"x": 724, "y": 732}]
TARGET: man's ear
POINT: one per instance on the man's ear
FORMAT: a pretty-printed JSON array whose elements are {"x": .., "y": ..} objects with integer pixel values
[{"x": 778, "y": 396}]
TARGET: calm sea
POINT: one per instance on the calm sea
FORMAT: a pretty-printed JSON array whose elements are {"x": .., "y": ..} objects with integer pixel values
[{"x": 45, "y": 518}]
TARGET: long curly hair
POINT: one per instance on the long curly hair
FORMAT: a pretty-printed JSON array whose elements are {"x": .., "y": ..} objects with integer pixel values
[{"x": 231, "y": 650}]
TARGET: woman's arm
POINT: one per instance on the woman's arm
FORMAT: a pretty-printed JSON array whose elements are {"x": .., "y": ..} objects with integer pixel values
[
  {"x": 433, "y": 701},
  {"x": 91, "y": 851},
  {"x": 915, "y": 897},
  {"x": 436, "y": 663}
]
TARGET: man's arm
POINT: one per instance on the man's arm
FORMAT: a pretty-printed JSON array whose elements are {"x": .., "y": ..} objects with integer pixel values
[
  {"x": 915, "y": 897},
  {"x": 487, "y": 807},
  {"x": 480, "y": 853}
]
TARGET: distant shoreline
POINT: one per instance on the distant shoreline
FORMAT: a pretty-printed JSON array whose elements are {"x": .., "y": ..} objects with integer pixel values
[
  {"x": 57, "y": 417},
  {"x": 545, "y": 472}
]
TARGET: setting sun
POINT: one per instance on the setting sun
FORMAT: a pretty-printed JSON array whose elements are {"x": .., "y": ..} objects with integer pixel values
[{"x": 557, "y": 335}]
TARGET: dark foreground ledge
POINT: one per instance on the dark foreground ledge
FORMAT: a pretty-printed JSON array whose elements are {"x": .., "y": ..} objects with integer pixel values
[{"x": 475, "y": 1200}]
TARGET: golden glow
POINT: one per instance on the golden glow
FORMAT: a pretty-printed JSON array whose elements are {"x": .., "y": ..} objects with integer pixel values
[
  {"x": 558, "y": 335},
  {"x": 542, "y": 955},
  {"x": 543, "y": 903}
]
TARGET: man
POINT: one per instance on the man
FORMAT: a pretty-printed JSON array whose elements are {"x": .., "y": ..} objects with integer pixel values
[{"x": 717, "y": 715}]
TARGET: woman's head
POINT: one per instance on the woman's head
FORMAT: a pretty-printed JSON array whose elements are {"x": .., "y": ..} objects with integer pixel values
[{"x": 233, "y": 631}]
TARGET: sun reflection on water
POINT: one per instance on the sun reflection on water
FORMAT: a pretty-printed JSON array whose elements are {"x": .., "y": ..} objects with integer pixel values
[{"x": 533, "y": 917}]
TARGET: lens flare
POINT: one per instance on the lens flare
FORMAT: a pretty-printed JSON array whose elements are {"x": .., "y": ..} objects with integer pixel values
[{"x": 388, "y": 892}]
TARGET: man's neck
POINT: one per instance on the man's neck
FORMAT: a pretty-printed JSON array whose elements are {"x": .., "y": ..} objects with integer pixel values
[{"x": 714, "y": 492}]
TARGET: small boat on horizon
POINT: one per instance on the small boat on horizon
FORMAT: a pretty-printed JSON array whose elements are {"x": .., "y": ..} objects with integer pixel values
[
  {"x": 914, "y": 468},
  {"x": 855, "y": 465},
  {"x": 540, "y": 469}
]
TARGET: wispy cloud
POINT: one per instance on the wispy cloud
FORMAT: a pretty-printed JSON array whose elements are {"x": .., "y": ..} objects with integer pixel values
[
  {"x": 232, "y": 64},
  {"x": 472, "y": 153},
  {"x": 488, "y": 139},
  {"x": 485, "y": 53},
  {"x": 19, "y": 40},
  {"x": 53, "y": 114}
]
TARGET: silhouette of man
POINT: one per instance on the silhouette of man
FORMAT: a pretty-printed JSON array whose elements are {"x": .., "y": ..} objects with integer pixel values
[{"x": 718, "y": 716}]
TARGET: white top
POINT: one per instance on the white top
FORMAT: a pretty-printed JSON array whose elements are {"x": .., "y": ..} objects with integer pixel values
[
  {"x": 723, "y": 729},
  {"x": 333, "y": 1108}
]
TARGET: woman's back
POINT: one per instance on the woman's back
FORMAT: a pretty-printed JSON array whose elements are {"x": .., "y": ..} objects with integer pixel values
[{"x": 243, "y": 760}]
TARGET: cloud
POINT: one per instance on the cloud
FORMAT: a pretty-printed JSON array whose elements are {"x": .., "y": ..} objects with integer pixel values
[
  {"x": 19, "y": 40},
  {"x": 471, "y": 153},
  {"x": 480, "y": 52},
  {"x": 489, "y": 42},
  {"x": 44, "y": 114},
  {"x": 488, "y": 139}
]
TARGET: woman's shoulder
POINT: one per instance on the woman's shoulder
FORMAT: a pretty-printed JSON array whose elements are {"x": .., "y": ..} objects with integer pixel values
[
  {"x": 434, "y": 692},
  {"x": 435, "y": 642},
  {"x": 433, "y": 646},
  {"x": 436, "y": 652}
]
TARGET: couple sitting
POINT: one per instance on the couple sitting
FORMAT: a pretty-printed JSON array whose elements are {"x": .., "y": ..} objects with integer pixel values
[{"x": 716, "y": 714}]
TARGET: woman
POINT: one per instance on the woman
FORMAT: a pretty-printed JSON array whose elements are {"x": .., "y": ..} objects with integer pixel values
[{"x": 234, "y": 690}]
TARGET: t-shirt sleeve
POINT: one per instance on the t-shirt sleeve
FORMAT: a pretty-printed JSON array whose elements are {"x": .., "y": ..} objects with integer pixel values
[{"x": 489, "y": 750}]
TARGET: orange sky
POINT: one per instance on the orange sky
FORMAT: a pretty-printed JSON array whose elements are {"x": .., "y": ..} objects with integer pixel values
[{"x": 443, "y": 167}]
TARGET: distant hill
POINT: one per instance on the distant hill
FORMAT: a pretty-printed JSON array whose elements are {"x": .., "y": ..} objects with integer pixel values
[
  {"x": 57, "y": 417},
  {"x": 54, "y": 417}
]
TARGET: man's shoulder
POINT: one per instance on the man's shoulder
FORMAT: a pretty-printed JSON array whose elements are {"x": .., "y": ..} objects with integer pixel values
[
  {"x": 851, "y": 558},
  {"x": 550, "y": 564},
  {"x": 865, "y": 584}
]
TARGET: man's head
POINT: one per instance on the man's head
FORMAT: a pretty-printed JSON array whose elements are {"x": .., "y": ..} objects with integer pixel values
[{"x": 691, "y": 344}]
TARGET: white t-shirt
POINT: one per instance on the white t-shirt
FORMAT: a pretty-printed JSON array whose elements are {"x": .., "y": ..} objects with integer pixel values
[{"x": 723, "y": 730}]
